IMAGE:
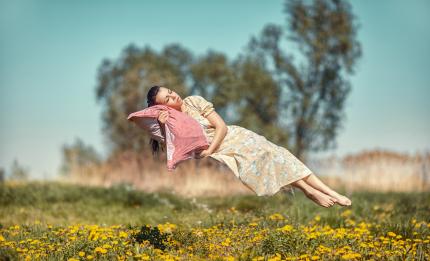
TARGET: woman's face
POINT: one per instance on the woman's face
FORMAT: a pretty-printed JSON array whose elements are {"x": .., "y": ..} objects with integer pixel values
[{"x": 168, "y": 97}]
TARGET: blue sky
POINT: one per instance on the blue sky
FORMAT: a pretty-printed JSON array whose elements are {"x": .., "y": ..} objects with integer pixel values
[{"x": 50, "y": 52}]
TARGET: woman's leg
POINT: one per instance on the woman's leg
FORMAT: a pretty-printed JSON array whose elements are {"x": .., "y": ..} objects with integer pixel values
[
  {"x": 316, "y": 183},
  {"x": 314, "y": 194}
]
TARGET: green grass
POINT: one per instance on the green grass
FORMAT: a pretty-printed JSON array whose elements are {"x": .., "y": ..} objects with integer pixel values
[
  {"x": 36, "y": 205},
  {"x": 64, "y": 204}
]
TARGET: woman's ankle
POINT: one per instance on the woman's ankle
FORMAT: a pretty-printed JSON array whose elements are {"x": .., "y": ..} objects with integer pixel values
[{"x": 310, "y": 191}]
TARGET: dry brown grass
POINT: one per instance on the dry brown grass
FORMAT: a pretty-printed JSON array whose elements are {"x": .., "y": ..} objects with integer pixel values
[
  {"x": 375, "y": 170},
  {"x": 191, "y": 178}
]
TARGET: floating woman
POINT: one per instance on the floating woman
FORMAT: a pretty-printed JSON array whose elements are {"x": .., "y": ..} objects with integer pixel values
[{"x": 261, "y": 165}]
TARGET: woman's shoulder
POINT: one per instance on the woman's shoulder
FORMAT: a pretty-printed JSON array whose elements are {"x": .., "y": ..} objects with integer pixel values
[
  {"x": 200, "y": 104},
  {"x": 194, "y": 99}
]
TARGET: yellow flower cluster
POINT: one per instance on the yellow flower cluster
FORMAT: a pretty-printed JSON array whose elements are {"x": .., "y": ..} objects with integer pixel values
[{"x": 262, "y": 238}]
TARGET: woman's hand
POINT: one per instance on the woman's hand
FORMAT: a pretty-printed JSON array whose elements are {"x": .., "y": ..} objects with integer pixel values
[
  {"x": 203, "y": 154},
  {"x": 163, "y": 116}
]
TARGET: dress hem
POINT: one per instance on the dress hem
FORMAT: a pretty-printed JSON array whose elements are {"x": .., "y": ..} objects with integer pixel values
[{"x": 280, "y": 187}]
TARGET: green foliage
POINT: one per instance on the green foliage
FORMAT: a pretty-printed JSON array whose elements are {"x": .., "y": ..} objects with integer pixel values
[
  {"x": 123, "y": 85},
  {"x": 7, "y": 254},
  {"x": 2, "y": 175},
  {"x": 49, "y": 193},
  {"x": 75, "y": 211},
  {"x": 120, "y": 204},
  {"x": 18, "y": 172},
  {"x": 153, "y": 235},
  {"x": 78, "y": 155},
  {"x": 314, "y": 91},
  {"x": 262, "y": 89}
]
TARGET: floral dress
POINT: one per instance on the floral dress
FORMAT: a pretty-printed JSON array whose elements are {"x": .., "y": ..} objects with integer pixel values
[{"x": 261, "y": 165}]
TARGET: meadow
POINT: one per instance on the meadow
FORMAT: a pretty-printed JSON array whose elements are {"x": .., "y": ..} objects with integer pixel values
[{"x": 58, "y": 221}]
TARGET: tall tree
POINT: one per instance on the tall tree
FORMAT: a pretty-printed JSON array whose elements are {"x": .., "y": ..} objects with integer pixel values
[
  {"x": 263, "y": 89},
  {"x": 259, "y": 101},
  {"x": 314, "y": 92},
  {"x": 18, "y": 172},
  {"x": 242, "y": 91},
  {"x": 214, "y": 78},
  {"x": 2, "y": 175},
  {"x": 78, "y": 155},
  {"x": 123, "y": 85}
]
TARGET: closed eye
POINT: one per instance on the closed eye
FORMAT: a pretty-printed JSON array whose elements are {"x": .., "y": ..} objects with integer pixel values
[{"x": 170, "y": 91}]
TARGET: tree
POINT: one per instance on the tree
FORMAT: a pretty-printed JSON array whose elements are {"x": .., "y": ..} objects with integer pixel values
[
  {"x": 2, "y": 175},
  {"x": 18, "y": 172},
  {"x": 123, "y": 84},
  {"x": 263, "y": 89},
  {"x": 78, "y": 155},
  {"x": 242, "y": 91},
  {"x": 315, "y": 91},
  {"x": 214, "y": 78},
  {"x": 259, "y": 99}
]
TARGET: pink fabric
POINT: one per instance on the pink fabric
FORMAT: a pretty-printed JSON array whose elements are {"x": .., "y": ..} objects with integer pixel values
[{"x": 184, "y": 135}]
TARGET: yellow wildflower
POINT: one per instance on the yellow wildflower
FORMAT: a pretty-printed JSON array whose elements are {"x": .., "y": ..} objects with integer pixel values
[
  {"x": 391, "y": 234},
  {"x": 226, "y": 242},
  {"x": 346, "y": 213},
  {"x": 350, "y": 256},
  {"x": 285, "y": 228},
  {"x": 276, "y": 216},
  {"x": 123, "y": 234},
  {"x": 100, "y": 250}
]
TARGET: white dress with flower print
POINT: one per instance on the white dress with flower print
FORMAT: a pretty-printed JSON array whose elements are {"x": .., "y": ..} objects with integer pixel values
[{"x": 260, "y": 164}]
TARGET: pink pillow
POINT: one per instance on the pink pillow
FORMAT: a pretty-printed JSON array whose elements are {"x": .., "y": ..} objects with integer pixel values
[
  {"x": 151, "y": 125},
  {"x": 184, "y": 135}
]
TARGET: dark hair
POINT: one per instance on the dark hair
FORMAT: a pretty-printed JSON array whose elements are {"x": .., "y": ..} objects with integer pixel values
[{"x": 150, "y": 100}]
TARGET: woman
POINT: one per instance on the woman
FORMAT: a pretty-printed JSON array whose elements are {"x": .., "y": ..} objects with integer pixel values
[{"x": 260, "y": 164}]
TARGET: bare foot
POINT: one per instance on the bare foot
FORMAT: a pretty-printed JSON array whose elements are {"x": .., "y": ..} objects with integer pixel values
[
  {"x": 321, "y": 199},
  {"x": 341, "y": 200}
]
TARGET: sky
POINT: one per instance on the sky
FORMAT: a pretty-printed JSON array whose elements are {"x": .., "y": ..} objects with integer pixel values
[{"x": 50, "y": 52}]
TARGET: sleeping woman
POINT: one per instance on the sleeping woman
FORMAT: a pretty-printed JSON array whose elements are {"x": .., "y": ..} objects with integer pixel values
[{"x": 261, "y": 165}]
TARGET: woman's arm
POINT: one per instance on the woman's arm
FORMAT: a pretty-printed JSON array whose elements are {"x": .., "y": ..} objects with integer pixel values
[{"x": 220, "y": 130}]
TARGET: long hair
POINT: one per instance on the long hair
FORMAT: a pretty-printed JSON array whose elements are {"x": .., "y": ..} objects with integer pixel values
[{"x": 150, "y": 99}]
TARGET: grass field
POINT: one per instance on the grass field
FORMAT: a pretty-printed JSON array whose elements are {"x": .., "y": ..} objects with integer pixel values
[{"x": 55, "y": 221}]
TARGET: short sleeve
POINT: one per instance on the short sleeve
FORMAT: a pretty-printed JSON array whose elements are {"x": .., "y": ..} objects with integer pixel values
[{"x": 201, "y": 104}]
